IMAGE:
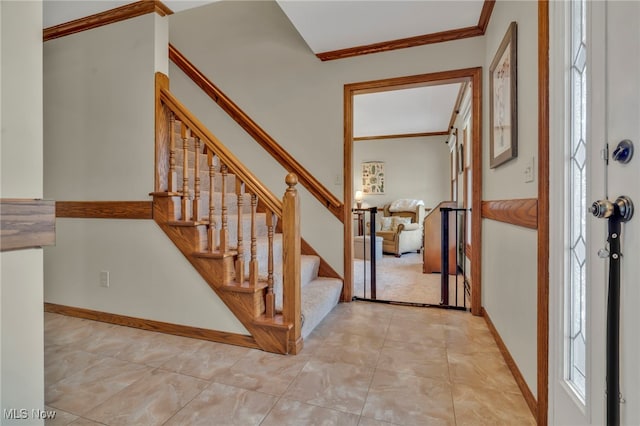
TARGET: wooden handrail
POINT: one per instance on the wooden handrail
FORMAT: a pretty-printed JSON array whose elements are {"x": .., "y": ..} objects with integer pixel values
[
  {"x": 198, "y": 129},
  {"x": 305, "y": 178},
  {"x": 231, "y": 254}
]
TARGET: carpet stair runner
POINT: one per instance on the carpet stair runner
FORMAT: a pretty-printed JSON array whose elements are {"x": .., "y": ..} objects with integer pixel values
[{"x": 318, "y": 294}]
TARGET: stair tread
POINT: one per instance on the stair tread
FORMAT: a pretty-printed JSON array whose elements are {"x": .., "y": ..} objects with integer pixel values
[
  {"x": 276, "y": 321},
  {"x": 215, "y": 254},
  {"x": 165, "y": 194},
  {"x": 245, "y": 287},
  {"x": 187, "y": 222},
  {"x": 318, "y": 299}
]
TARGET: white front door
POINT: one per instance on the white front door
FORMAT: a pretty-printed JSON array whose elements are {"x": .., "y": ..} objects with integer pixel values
[{"x": 595, "y": 58}]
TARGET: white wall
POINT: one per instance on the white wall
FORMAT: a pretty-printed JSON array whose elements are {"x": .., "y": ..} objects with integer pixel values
[
  {"x": 99, "y": 145},
  {"x": 414, "y": 168},
  {"x": 509, "y": 266},
  {"x": 254, "y": 54},
  {"x": 21, "y": 315},
  {"x": 149, "y": 277}
]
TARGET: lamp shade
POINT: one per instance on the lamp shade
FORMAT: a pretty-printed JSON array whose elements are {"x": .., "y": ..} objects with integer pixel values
[{"x": 359, "y": 196}]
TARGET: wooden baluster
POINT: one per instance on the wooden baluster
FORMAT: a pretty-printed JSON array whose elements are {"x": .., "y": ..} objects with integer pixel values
[
  {"x": 212, "y": 208},
  {"x": 240, "y": 258},
  {"x": 224, "y": 231},
  {"x": 253, "y": 263},
  {"x": 195, "y": 210},
  {"x": 171, "y": 183},
  {"x": 184, "y": 134},
  {"x": 291, "y": 296},
  {"x": 270, "y": 300}
]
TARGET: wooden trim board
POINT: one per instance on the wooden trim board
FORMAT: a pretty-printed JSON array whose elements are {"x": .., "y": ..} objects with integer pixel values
[
  {"x": 485, "y": 14},
  {"x": 520, "y": 212},
  {"x": 400, "y": 136},
  {"x": 513, "y": 366},
  {"x": 107, "y": 17},
  {"x": 476, "y": 192},
  {"x": 105, "y": 209},
  {"x": 421, "y": 40},
  {"x": 26, "y": 223},
  {"x": 543, "y": 212},
  {"x": 151, "y": 325}
]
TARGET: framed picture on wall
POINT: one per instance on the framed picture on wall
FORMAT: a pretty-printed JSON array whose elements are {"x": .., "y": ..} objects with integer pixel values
[
  {"x": 503, "y": 105},
  {"x": 373, "y": 177}
]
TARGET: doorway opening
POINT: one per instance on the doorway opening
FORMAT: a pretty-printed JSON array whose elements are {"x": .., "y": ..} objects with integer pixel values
[{"x": 463, "y": 167}]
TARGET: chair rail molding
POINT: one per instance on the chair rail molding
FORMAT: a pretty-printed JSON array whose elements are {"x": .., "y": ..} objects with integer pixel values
[
  {"x": 104, "y": 209},
  {"x": 520, "y": 212},
  {"x": 26, "y": 223}
]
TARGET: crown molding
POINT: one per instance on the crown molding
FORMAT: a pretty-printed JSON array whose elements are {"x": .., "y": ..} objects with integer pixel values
[
  {"x": 421, "y": 40},
  {"x": 107, "y": 17}
]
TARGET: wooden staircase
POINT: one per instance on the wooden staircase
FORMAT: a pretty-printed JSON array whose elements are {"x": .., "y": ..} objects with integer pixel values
[{"x": 244, "y": 241}]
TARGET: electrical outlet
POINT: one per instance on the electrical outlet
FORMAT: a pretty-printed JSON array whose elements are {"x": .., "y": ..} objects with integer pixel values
[
  {"x": 337, "y": 180},
  {"x": 104, "y": 279},
  {"x": 529, "y": 171}
]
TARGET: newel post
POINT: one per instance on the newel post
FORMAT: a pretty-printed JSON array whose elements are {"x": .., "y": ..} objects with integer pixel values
[{"x": 291, "y": 262}]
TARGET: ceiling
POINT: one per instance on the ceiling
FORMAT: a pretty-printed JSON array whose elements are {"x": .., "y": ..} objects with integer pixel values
[
  {"x": 406, "y": 111},
  {"x": 332, "y": 25}
]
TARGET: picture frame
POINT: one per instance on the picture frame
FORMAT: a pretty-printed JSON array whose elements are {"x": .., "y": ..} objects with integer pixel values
[
  {"x": 373, "y": 177},
  {"x": 503, "y": 102}
]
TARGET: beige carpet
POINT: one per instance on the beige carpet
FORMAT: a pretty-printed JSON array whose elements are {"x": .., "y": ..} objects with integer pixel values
[{"x": 401, "y": 280}]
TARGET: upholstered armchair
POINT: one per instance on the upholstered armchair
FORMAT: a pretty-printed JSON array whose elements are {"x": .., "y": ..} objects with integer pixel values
[{"x": 400, "y": 226}]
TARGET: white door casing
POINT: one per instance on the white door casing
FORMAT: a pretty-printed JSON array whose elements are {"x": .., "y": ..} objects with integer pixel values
[{"x": 613, "y": 40}]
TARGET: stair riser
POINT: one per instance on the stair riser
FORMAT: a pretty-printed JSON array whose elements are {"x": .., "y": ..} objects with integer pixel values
[
  {"x": 262, "y": 250},
  {"x": 195, "y": 235},
  {"x": 203, "y": 208},
  {"x": 232, "y": 232},
  {"x": 231, "y": 204},
  {"x": 164, "y": 209},
  {"x": 204, "y": 161},
  {"x": 221, "y": 269},
  {"x": 308, "y": 268},
  {"x": 204, "y": 180},
  {"x": 261, "y": 230},
  {"x": 251, "y": 303}
]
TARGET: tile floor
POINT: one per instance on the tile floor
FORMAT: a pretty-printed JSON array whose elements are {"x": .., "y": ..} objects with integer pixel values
[{"x": 366, "y": 364}]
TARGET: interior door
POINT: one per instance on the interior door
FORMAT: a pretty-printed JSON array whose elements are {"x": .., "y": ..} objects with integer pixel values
[{"x": 612, "y": 71}]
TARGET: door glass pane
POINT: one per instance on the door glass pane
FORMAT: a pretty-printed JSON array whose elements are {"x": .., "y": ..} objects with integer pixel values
[{"x": 575, "y": 373}]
